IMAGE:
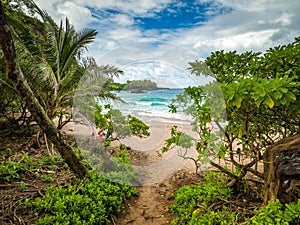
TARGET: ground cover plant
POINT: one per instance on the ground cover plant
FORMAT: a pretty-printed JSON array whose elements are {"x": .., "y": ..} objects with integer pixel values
[
  {"x": 213, "y": 202},
  {"x": 93, "y": 201}
]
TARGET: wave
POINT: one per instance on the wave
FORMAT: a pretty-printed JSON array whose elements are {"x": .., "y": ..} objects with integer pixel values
[
  {"x": 160, "y": 116},
  {"x": 157, "y": 104},
  {"x": 144, "y": 103},
  {"x": 153, "y": 99}
]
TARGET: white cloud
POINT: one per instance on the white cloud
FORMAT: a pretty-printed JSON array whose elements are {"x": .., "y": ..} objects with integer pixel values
[
  {"x": 248, "y": 26},
  {"x": 122, "y": 20},
  {"x": 133, "y": 7},
  {"x": 78, "y": 15},
  {"x": 251, "y": 26}
]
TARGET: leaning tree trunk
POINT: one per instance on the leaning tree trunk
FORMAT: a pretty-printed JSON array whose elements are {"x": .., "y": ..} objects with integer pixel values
[
  {"x": 282, "y": 170},
  {"x": 16, "y": 76}
]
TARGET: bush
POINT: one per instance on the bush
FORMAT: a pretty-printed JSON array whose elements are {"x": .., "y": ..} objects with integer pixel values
[
  {"x": 92, "y": 201},
  {"x": 191, "y": 201},
  {"x": 275, "y": 213},
  {"x": 194, "y": 205}
]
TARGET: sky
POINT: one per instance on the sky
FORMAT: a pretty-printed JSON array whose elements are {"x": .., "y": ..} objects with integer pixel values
[{"x": 155, "y": 39}]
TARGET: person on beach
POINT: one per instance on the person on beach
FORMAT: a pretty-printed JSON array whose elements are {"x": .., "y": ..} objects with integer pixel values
[{"x": 101, "y": 135}]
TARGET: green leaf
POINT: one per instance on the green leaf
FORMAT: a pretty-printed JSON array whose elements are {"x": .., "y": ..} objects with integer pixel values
[
  {"x": 277, "y": 94},
  {"x": 291, "y": 96},
  {"x": 241, "y": 132}
]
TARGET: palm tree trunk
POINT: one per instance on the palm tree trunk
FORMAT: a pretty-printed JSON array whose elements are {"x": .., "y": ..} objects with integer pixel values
[{"x": 16, "y": 76}]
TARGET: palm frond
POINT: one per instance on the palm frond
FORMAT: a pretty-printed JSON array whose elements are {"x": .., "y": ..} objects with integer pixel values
[
  {"x": 4, "y": 84},
  {"x": 73, "y": 42}
]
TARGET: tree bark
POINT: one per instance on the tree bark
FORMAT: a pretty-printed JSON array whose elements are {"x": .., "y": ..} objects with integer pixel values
[
  {"x": 282, "y": 170},
  {"x": 15, "y": 74}
]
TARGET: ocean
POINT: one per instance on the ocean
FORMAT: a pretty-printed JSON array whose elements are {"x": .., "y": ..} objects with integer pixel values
[{"x": 151, "y": 105}]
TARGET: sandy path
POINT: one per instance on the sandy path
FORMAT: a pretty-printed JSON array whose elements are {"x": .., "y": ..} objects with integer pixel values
[{"x": 160, "y": 166}]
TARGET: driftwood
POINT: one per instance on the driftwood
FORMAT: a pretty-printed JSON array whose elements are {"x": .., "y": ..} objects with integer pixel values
[{"x": 282, "y": 170}]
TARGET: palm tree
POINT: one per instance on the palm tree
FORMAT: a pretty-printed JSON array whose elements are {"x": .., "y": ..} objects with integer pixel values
[
  {"x": 15, "y": 75},
  {"x": 53, "y": 59}
]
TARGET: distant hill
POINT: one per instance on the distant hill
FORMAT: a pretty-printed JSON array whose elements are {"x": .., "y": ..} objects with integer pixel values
[
  {"x": 140, "y": 85},
  {"x": 136, "y": 86}
]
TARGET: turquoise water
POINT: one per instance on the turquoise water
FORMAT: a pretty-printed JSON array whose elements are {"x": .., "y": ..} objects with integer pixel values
[{"x": 151, "y": 105}]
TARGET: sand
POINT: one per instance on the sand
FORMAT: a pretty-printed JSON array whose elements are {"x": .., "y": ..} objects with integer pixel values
[{"x": 157, "y": 166}]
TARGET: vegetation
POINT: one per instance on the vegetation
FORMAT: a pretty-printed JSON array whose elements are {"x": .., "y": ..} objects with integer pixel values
[
  {"x": 254, "y": 103},
  {"x": 52, "y": 60},
  {"x": 212, "y": 202},
  {"x": 140, "y": 85},
  {"x": 256, "y": 94},
  {"x": 45, "y": 78},
  {"x": 122, "y": 126},
  {"x": 133, "y": 85},
  {"x": 95, "y": 201}
]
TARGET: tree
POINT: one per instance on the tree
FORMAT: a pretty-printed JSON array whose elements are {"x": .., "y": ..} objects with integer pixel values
[
  {"x": 52, "y": 58},
  {"x": 260, "y": 96},
  {"x": 115, "y": 122},
  {"x": 15, "y": 74}
]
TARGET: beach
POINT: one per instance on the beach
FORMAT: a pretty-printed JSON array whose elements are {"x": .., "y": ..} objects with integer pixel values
[{"x": 155, "y": 166}]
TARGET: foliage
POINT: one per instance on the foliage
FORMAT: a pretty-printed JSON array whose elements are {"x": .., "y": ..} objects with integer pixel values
[
  {"x": 115, "y": 122},
  {"x": 214, "y": 218},
  {"x": 190, "y": 200},
  {"x": 92, "y": 201},
  {"x": 178, "y": 138},
  {"x": 138, "y": 127},
  {"x": 11, "y": 170},
  {"x": 276, "y": 213},
  {"x": 52, "y": 160},
  {"x": 50, "y": 57},
  {"x": 116, "y": 168},
  {"x": 254, "y": 102},
  {"x": 114, "y": 86},
  {"x": 196, "y": 205}
]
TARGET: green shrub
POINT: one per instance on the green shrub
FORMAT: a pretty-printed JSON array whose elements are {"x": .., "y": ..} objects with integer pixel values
[
  {"x": 189, "y": 198},
  {"x": 193, "y": 206},
  {"x": 10, "y": 170},
  {"x": 275, "y": 213},
  {"x": 52, "y": 160},
  {"x": 93, "y": 201},
  {"x": 221, "y": 217}
]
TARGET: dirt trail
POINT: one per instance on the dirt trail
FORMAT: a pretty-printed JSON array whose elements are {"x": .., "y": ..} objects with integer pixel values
[
  {"x": 161, "y": 175},
  {"x": 151, "y": 206}
]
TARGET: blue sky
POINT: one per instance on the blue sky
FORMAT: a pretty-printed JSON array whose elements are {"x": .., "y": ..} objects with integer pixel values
[{"x": 157, "y": 38}]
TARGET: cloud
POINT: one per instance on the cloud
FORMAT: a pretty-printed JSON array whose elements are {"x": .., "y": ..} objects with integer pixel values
[
  {"x": 78, "y": 15},
  {"x": 122, "y": 20},
  {"x": 142, "y": 8},
  {"x": 250, "y": 26},
  {"x": 227, "y": 24}
]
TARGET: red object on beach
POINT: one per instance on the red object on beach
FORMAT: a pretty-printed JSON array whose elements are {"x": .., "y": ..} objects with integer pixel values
[{"x": 100, "y": 135}]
